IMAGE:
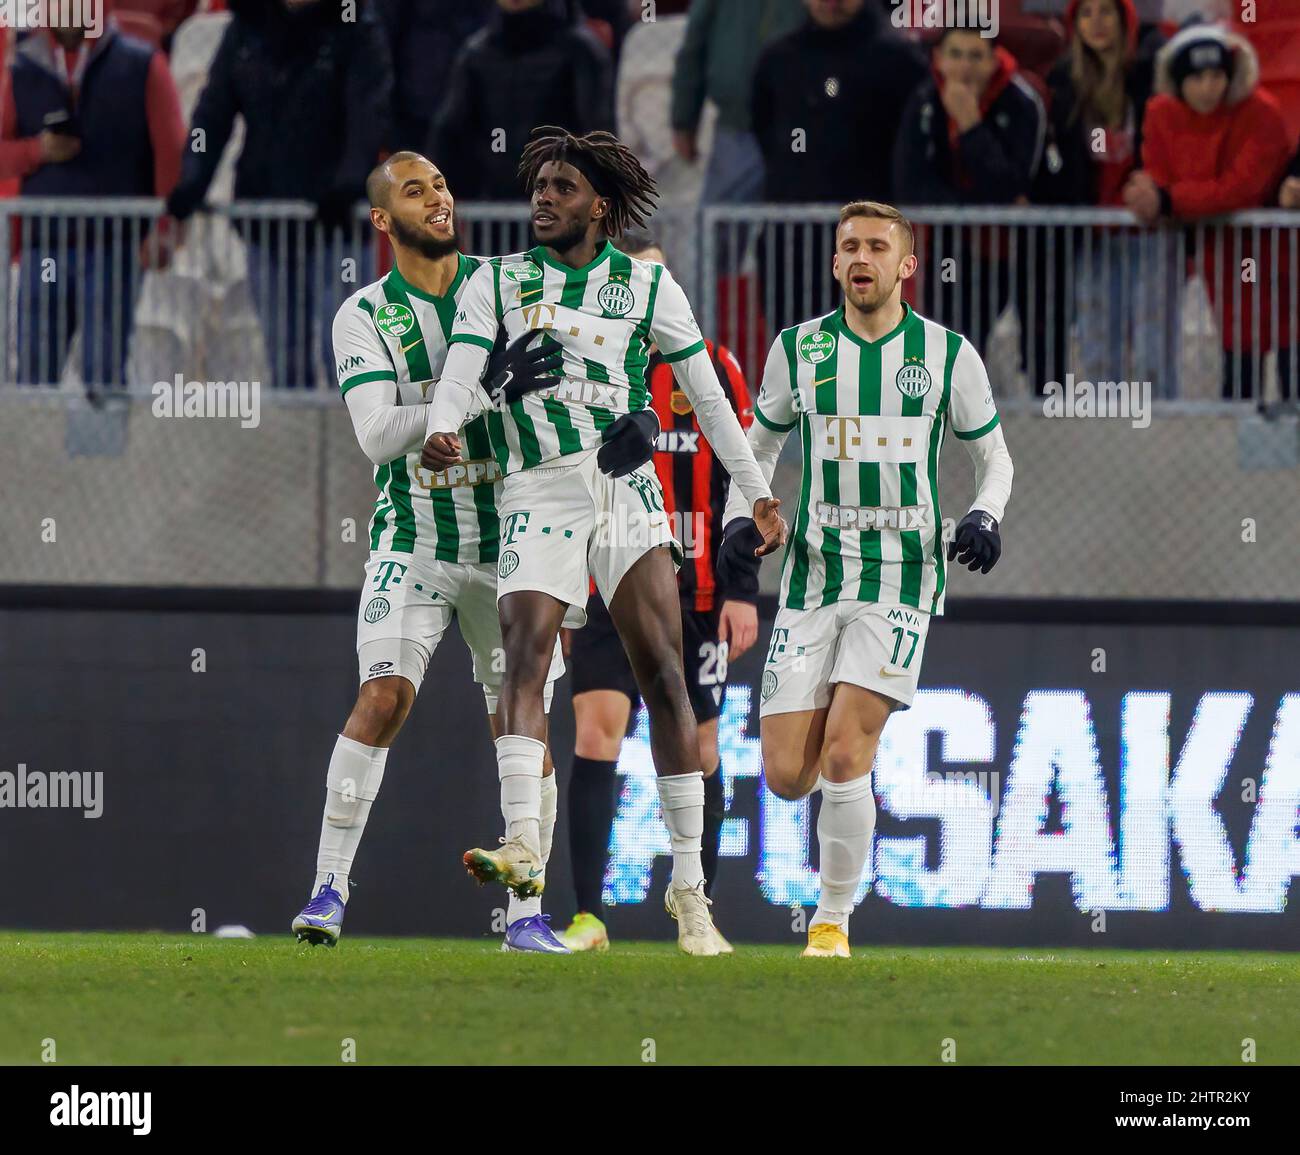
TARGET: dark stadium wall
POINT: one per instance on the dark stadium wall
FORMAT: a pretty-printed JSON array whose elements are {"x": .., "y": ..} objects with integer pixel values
[{"x": 1048, "y": 817}]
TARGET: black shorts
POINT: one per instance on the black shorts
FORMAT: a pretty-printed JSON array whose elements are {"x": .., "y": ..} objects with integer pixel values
[{"x": 598, "y": 662}]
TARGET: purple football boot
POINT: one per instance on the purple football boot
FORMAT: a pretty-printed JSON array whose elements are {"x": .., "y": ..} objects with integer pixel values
[
  {"x": 533, "y": 933},
  {"x": 321, "y": 921}
]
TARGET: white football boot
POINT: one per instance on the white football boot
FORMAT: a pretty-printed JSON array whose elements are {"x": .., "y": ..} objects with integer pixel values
[{"x": 696, "y": 933}]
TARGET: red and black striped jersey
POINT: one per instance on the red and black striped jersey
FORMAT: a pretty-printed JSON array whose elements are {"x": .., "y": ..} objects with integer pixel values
[{"x": 694, "y": 480}]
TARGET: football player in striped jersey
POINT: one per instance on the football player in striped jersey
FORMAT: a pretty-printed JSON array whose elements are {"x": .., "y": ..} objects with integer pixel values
[
  {"x": 434, "y": 535},
  {"x": 565, "y": 519},
  {"x": 871, "y": 390},
  {"x": 718, "y": 626}
]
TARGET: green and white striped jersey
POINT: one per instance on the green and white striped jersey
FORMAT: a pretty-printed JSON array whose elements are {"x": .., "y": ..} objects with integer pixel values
[
  {"x": 392, "y": 331},
  {"x": 605, "y": 315},
  {"x": 871, "y": 417}
]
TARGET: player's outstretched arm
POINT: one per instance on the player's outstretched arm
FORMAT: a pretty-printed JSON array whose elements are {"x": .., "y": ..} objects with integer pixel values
[{"x": 977, "y": 543}]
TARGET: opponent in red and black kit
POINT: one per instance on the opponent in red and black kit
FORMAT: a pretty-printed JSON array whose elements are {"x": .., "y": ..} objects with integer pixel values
[{"x": 717, "y": 625}]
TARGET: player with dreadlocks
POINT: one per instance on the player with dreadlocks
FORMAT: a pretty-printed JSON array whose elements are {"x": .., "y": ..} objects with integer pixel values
[{"x": 575, "y": 505}]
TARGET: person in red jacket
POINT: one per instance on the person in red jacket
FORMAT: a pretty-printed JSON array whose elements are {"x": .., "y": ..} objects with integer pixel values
[{"x": 1215, "y": 143}]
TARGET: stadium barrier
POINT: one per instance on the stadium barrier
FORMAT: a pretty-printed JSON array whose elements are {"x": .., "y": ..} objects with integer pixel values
[
  {"x": 181, "y": 469},
  {"x": 1027, "y": 797},
  {"x": 1204, "y": 311}
]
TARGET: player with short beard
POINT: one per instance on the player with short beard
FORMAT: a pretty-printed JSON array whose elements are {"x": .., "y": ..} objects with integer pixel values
[
  {"x": 564, "y": 518},
  {"x": 434, "y": 534},
  {"x": 871, "y": 388}
]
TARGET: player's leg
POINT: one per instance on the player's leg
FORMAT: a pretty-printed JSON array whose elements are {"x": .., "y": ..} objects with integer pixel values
[
  {"x": 646, "y": 610},
  {"x": 530, "y": 627},
  {"x": 706, "y": 735},
  {"x": 705, "y": 659},
  {"x": 877, "y": 663},
  {"x": 546, "y": 518},
  {"x": 794, "y": 698},
  {"x": 480, "y": 623},
  {"x": 848, "y": 812},
  {"x": 399, "y": 624},
  {"x": 604, "y": 693}
]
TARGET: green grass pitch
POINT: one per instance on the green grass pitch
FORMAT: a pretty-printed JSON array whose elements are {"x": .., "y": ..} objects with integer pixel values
[{"x": 168, "y": 999}]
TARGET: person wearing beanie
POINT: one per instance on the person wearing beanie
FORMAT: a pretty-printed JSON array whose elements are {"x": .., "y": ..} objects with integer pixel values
[
  {"x": 1213, "y": 143},
  {"x": 1098, "y": 93}
]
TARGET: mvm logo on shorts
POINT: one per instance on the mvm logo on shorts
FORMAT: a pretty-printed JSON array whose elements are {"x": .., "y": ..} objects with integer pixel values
[{"x": 467, "y": 473}]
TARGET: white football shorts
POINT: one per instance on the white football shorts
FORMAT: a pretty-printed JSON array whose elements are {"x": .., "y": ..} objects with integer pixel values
[
  {"x": 875, "y": 646},
  {"x": 565, "y": 525},
  {"x": 406, "y": 606}
]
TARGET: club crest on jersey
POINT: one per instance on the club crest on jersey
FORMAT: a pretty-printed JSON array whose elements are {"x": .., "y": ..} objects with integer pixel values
[
  {"x": 913, "y": 378},
  {"x": 769, "y": 684},
  {"x": 508, "y": 564},
  {"x": 616, "y": 299},
  {"x": 816, "y": 347},
  {"x": 521, "y": 271},
  {"x": 680, "y": 403},
  {"x": 376, "y": 610},
  {"x": 394, "y": 320}
]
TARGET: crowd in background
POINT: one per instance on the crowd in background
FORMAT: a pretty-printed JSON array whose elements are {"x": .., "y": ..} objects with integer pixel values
[{"x": 1090, "y": 102}]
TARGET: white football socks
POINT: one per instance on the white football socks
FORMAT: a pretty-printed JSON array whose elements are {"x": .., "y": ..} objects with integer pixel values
[
  {"x": 682, "y": 798},
  {"x": 844, "y": 828},
  {"x": 518, "y": 908},
  {"x": 351, "y": 784},
  {"x": 519, "y": 766}
]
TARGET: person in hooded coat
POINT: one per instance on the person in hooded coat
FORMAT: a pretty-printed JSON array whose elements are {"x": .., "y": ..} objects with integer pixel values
[{"x": 1214, "y": 143}]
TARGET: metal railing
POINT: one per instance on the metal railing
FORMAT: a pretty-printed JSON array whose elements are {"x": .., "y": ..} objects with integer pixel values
[
  {"x": 1205, "y": 310},
  {"x": 249, "y": 293}
]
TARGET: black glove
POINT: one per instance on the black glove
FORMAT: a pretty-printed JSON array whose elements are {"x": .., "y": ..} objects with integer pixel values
[
  {"x": 977, "y": 543},
  {"x": 628, "y": 443},
  {"x": 516, "y": 369},
  {"x": 737, "y": 567}
]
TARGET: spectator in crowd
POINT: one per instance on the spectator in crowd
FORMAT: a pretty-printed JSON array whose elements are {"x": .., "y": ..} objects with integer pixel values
[
  {"x": 1215, "y": 143},
  {"x": 84, "y": 117},
  {"x": 973, "y": 134},
  {"x": 424, "y": 37},
  {"x": 716, "y": 61},
  {"x": 314, "y": 92},
  {"x": 531, "y": 64},
  {"x": 826, "y": 104},
  {"x": 1098, "y": 93}
]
